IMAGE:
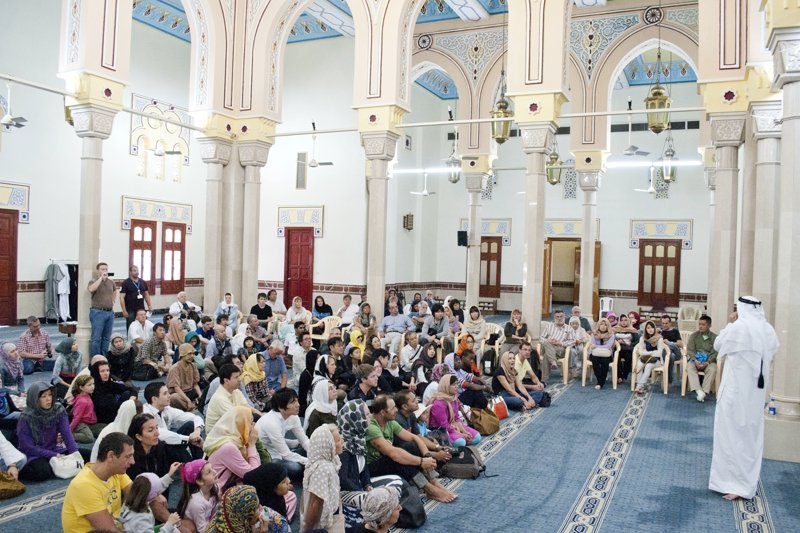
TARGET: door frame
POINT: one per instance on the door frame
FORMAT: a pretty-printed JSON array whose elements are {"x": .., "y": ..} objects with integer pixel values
[
  {"x": 12, "y": 307},
  {"x": 287, "y": 297},
  {"x": 674, "y": 300}
]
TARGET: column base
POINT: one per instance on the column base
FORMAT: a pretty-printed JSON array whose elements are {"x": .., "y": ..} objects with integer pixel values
[{"x": 781, "y": 435}]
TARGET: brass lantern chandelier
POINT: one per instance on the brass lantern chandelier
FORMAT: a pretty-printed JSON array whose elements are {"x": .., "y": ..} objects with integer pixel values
[
  {"x": 501, "y": 125},
  {"x": 667, "y": 162},
  {"x": 554, "y": 165},
  {"x": 453, "y": 162},
  {"x": 658, "y": 101}
]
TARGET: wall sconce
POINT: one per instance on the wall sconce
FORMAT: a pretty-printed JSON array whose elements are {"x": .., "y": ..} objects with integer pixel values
[{"x": 408, "y": 222}]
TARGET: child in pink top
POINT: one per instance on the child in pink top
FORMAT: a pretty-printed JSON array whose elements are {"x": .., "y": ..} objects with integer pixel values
[
  {"x": 84, "y": 424},
  {"x": 200, "y": 493}
]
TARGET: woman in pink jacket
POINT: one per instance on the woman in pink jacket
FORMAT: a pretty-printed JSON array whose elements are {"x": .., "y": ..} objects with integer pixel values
[{"x": 446, "y": 414}]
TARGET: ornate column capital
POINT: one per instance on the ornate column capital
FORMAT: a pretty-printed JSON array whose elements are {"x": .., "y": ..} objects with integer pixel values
[
  {"x": 253, "y": 153},
  {"x": 766, "y": 119},
  {"x": 537, "y": 136},
  {"x": 214, "y": 150},
  {"x": 727, "y": 129},
  {"x": 589, "y": 180},
  {"x": 379, "y": 144},
  {"x": 90, "y": 120},
  {"x": 784, "y": 43}
]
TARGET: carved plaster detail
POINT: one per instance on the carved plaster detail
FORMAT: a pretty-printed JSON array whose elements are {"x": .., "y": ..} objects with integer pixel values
[
  {"x": 590, "y": 38},
  {"x": 215, "y": 150},
  {"x": 688, "y": 17},
  {"x": 537, "y": 138},
  {"x": 786, "y": 61},
  {"x": 589, "y": 180},
  {"x": 201, "y": 64},
  {"x": 766, "y": 119},
  {"x": 406, "y": 36},
  {"x": 253, "y": 153},
  {"x": 92, "y": 121},
  {"x": 473, "y": 50},
  {"x": 379, "y": 145},
  {"x": 728, "y": 131},
  {"x": 74, "y": 32},
  {"x": 276, "y": 47},
  {"x": 569, "y": 179}
]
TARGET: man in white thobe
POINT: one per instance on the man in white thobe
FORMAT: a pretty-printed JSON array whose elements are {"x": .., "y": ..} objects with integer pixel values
[{"x": 747, "y": 346}]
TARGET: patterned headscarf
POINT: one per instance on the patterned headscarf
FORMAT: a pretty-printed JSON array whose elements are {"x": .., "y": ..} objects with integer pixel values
[
  {"x": 437, "y": 372},
  {"x": 235, "y": 511},
  {"x": 379, "y": 505},
  {"x": 321, "y": 476},
  {"x": 353, "y": 423}
]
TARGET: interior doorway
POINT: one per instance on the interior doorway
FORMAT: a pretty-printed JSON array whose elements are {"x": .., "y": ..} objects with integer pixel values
[
  {"x": 660, "y": 273},
  {"x": 8, "y": 267},
  {"x": 298, "y": 272},
  {"x": 561, "y": 277},
  {"x": 491, "y": 261}
]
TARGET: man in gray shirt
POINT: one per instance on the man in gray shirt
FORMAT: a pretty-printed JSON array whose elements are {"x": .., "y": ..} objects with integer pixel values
[{"x": 392, "y": 328}]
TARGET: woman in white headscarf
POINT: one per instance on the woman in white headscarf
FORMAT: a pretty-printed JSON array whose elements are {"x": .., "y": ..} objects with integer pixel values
[
  {"x": 381, "y": 509},
  {"x": 127, "y": 410},
  {"x": 321, "y": 494},
  {"x": 748, "y": 346},
  {"x": 323, "y": 408}
]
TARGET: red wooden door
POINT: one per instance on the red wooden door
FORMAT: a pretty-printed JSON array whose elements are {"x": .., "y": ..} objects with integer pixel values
[
  {"x": 298, "y": 272},
  {"x": 8, "y": 267},
  {"x": 491, "y": 257}
]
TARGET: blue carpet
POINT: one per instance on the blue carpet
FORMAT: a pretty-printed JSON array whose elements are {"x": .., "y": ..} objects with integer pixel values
[{"x": 781, "y": 483}]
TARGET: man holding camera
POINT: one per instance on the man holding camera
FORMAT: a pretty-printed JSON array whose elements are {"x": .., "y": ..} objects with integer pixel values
[{"x": 101, "y": 313}]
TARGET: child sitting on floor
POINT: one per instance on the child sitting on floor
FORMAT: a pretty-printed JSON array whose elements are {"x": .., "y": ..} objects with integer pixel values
[
  {"x": 84, "y": 424},
  {"x": 136, "y": 515},
  {"x": 200, "y": 493}
]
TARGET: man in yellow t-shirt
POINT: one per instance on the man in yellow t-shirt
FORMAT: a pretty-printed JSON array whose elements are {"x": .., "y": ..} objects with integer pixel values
[{"x": 94, "y": 497}]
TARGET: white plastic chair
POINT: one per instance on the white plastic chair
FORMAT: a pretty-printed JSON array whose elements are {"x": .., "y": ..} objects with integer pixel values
[{"x": 606, "y": 306}]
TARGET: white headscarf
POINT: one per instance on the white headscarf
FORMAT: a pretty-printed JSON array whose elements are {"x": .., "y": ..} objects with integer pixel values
[
  {"x": 751, "y": 336},
  {"x": 321, "y": 475},
  {"x": 319, "y": 402},
  {"x": 127, "y": 410}
]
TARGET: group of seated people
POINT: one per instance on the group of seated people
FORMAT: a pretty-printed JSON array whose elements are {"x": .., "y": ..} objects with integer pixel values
[{"x": 238, "y": 433}]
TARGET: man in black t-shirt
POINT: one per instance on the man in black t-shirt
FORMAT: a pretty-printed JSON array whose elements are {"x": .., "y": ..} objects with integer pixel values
[
  {"x": 133, "y": 295},
  {"x": 672, "y": 338},
  {"x": 262, "y": 310}
]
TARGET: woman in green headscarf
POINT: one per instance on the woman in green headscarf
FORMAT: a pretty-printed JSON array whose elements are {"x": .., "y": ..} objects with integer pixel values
[{"x": 239, "y": 511}]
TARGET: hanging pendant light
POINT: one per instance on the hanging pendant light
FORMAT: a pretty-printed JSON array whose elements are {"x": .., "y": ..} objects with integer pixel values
[
  {"x": 554, "y": 165},
  {"x": 453, "y": 162},
  {"x": 668, "y": 160},
  {"x": 501, "y": 129},
  {"x": 658, "y": 102}
]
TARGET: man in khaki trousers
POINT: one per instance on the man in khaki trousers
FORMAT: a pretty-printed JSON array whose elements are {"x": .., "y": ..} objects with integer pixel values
[{"x": 702, "y": 342}]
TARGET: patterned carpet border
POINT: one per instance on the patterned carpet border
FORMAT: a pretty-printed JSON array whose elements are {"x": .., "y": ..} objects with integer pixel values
[
  {"x": 492, "y": 444},
  {"x": 587, "y": 512},
  {"x": 753, "y": 516},
  {"x": 30, "y": 505}
]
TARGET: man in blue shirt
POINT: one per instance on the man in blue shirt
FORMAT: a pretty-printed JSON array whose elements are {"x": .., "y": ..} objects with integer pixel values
[
  {"x": 392, "y": 328},
  {"x": 275, "y": 366}
]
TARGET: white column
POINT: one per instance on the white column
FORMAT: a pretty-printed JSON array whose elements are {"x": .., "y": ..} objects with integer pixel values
[
  {"x": 727, "y": 134},
  {"x": 253, "y": 156},
  {"x": 536, "y": 140},
  {"x": 710, "y": 179},
  {"x": 215, "y": 153},
  {"x": 93, "y": 125},
  {"x": 379, "y": 148},
  {"x": 767, "y": 134},
  {"x": 475, "y": 183},
  {"x": 589, "y": 182},
  {"x": 232, "y": 227},
  {"x": 782, "y": 432},
  {"x": 747, "y": 224}
]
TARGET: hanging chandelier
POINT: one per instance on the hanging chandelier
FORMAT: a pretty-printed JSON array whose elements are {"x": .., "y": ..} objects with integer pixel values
[
  {"x": 554, "y": 165},
  {"x": 667, "y": 162},
  {"x": 453, "y": 163},
  {"x": 501, "y": 129},
  {"x": 658, "y": 100}
]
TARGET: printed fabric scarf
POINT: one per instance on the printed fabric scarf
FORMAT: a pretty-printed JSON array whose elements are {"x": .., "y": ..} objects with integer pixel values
[
  {"x": 353, "y": 423},
  {"x": 236, "y": 509}
]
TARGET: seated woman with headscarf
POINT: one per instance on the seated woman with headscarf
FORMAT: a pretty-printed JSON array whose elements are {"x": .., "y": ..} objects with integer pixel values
[
  {"x": 381, "y": 510},
  {"x": 627, "y": 337},
  {"x": 68, "y": 363},
  {"x": 508, "y": 384},
  {"x": 239, "y": 511},
  {"x": 108, "y": 394},
  {"x": 321, "y": 310},
  {"x": 470, "y": 387},
  {"x": 321, "y": 494},
  {"x": 467, "y": 344},
  {"x": 576, "y": 351},
  {"x": 356, "y": 338},
  {"x": 364, "y": 320},
  {"x": 254, "y": 379},
  {"x": 475, "y": 325},
  {"x": 176, "y": 333},
  {"x": 323, "y": 407},
  {"x": 274, "y": 489},
  {"x": 446, "y": 414},
  {"x": 231, "y": 446},
  {"x": 121, "y": 357},
  {"x": 39, "y": 426},
  {"x": 353, "y": 420},
  {"x": 297, "y": 313},
  {"x": 11, "y": 369},
  {"x": 121, "y": 423}
]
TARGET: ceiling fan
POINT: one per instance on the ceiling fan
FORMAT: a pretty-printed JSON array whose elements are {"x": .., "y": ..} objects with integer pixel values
[
  {"x": 8, "y": 121},
  {"x": 651, "y": 189},
  {"x": 424, "y": 191},
  {"x": 632, "y": 149},
  {"x": 313, "y": 163}
]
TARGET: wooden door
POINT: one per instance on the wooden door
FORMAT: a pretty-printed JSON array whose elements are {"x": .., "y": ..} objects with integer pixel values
[
  {"x": 659, "y": 273},
  {"x": 142, "y": 250},
  {"x": 576, "y": 281},
  {"x": 547, "y": 278},
  {"x": 491, "y": 255},
  {"x": 298, "y": 272},
  {"x": 173, "y": 257},
  {"x": 595, "y": 276},
  {"x": 8, "y": 267}
]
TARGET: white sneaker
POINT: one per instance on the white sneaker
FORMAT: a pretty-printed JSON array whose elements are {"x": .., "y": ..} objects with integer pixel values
[{"x": 701, "y": 396}]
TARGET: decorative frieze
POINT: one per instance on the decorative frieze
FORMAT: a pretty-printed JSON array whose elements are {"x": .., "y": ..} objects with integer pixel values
[{"x": 301, "y": 217}]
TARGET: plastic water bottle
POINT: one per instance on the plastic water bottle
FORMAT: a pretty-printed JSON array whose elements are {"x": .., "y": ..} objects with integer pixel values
[{"x": 772, "y": 409}]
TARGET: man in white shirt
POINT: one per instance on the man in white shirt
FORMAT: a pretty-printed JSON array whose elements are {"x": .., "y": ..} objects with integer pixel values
[
  {"x": 557, "y": 338},
  {"x": 182, "y": 307},
  {"x": 214, "y": 385},
  {"x": 273, "y": 427},
  {"x": 141, "y": 329},
  {"x": 226, "y": 397},
  {"x": 410, "y": 352},
  {"x": 179, "y": 430},
  {"x": 347, "y": 311}
]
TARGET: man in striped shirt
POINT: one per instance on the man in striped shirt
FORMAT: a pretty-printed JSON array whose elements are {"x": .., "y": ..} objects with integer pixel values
[{"x": 557, "y": 338}]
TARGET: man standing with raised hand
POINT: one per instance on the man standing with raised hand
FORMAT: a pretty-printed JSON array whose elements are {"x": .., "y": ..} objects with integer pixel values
[
  {"x": 101, "y": 312},
  {"x": 748, "y": 345}
]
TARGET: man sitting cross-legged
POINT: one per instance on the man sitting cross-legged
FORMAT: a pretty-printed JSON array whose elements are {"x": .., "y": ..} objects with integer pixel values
[
  {"x": 702, "y": 357},
  {"x": 407, "y": 404},
  {"x": 410, "y": 460},
  {"x": 522, "y": 365}
]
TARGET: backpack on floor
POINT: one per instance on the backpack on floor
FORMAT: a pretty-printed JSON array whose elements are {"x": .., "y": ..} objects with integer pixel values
[
  {"x": 467, "y": 463},
  {"x": 546, "y": 400}
]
